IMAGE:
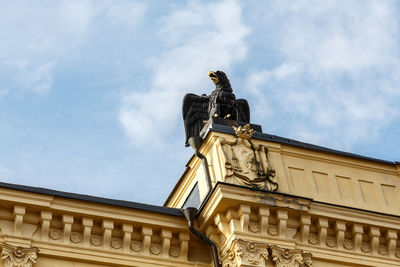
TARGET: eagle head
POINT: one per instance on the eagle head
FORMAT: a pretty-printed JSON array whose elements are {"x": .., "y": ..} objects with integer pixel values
[{"x": 219, "y": 78}]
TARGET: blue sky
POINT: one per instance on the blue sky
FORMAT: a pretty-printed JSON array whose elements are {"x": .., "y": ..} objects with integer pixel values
[{"x": 90, "y": 91}]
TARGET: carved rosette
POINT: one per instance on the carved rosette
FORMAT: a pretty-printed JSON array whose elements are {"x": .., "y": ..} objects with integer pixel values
[
  {"x": 246, "y": 163},
  {"x": 244, "y": 253},
  {"x": 18, "y": 256},
  {"x": 283, "y": 257}
]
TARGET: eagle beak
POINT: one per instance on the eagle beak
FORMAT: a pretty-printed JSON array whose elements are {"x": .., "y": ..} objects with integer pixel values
[{"x": 213, "y": 77}]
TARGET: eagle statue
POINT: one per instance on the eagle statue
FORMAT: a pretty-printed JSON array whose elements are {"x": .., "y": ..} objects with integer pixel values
[{"x": 221, "y": 103}]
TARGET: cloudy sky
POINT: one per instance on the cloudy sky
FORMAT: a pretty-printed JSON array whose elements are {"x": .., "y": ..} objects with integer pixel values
[{"x": 90, "y": 91}]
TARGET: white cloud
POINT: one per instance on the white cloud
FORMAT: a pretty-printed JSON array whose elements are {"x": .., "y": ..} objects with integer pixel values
[
  {"x": 126, "y": 13},
  {"x": 40, "y": 79},
  {"x": 201, "y": 37},
  {"x": 36, "y": 38},
  {"x": 339, "y": 73}
]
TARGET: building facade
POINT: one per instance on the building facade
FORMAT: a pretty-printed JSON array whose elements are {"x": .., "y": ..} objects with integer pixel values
[{"x": 260, "y": 200}]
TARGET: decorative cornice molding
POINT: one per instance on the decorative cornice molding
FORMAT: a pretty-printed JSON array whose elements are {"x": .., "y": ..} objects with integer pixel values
[
  {"x": 54, "y": 231},
  {"x": 18, "y": 256},
  {"x": 318, "y": 225}
]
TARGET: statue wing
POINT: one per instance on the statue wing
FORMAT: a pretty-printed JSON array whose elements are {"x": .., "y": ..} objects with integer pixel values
[
  {"x": 194, "y": 111},
  {"x": 243, "y": 110}
]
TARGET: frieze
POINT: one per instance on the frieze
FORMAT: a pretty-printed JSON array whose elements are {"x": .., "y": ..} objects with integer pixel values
[{"x": 92, "y": 237}]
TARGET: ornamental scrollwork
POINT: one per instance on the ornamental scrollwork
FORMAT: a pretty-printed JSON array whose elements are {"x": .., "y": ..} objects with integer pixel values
[
  {"x": 247, "y": 163},
  {"x": 244, "y": 253},
  {"x": 18, "y": 256},
  {"x": 283, "y": 257}
]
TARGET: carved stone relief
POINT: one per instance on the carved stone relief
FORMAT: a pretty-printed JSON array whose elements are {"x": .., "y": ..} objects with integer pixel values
[
  {"x": 55, "y": 234},
  {"x": 283, "y": 257},
  {"x": 365, "y": 247},
  {"x": 245, "y": 163},
  {"x": 244, "y": 253},
  {"x": 136, "y": 246},
  {"x": 174, "y": 252},
  {"x": 254, "y": 227},
  {"x": 18, "y": 256},
  {"x": 116, "y": 244},
  {"x": 76, "y": 238},
  {"x": 272, "y": 230},
  {"x": 95, "y": 241},
  {"x": 155, "y": 249}
]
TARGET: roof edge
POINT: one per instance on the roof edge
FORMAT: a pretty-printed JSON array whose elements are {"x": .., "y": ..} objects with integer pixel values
[
  {"x": 220, "y": 126},
  {"x": 95, "y": 199}
]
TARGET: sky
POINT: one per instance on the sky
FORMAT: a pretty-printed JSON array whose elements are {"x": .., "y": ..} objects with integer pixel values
[{"x": 91, "y": 90}]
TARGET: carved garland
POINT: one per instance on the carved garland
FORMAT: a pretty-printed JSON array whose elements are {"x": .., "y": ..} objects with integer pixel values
[
  {"x": 18, "y": 256},
  {"x": 245, "y": 253}
]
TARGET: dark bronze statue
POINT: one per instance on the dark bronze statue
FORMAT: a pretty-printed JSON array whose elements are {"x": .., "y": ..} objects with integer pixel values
[{"x": 221, "y": 103}]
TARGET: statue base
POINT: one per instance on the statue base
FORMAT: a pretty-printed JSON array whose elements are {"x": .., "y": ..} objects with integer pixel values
[{"x": 225, "y": 126}]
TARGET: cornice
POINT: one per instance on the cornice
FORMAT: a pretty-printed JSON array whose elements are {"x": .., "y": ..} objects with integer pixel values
[
  {"x": 105, "y": 234},
  {"x": 233, "y": 212}
]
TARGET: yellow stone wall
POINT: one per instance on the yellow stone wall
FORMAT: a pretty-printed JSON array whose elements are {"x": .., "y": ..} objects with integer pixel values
[
  {"x": 324, "y": 177},
  {"x": 329, "y": 210},
  {"x": 344, "y": 210},
  {"x": 70, "y": 232}
]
